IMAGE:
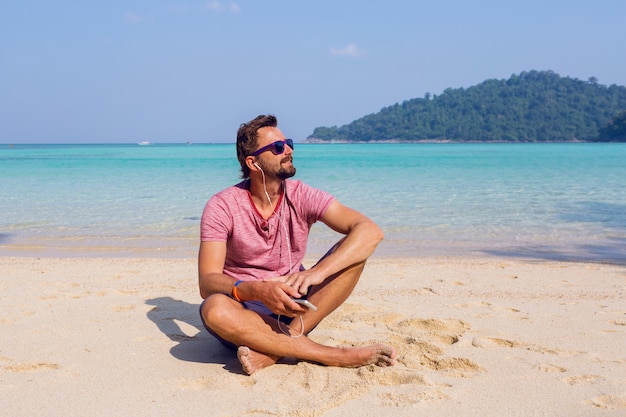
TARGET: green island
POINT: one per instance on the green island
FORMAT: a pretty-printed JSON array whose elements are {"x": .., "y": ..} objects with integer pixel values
[{"x": 534, "y": 106}]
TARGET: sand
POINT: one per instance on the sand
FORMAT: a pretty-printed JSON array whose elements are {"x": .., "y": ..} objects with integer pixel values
[{"x": 475, "y": 337}]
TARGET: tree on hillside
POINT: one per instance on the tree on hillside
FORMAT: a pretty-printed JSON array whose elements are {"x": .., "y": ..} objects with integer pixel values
[{"x": 615, "y": 131}]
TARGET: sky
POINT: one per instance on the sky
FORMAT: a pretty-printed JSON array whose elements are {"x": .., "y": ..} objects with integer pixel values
[{"x": 170, "y": 71}]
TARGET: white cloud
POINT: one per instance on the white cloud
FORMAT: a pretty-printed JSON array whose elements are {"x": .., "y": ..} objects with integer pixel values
[
  {"x": 218, "y": 6},
  {"x": 348, "y": 50},
  {"x": 130, "y": 17}
]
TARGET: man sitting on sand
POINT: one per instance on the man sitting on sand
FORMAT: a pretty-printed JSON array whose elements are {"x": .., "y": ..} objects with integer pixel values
[{"x": 253, "y": 242}]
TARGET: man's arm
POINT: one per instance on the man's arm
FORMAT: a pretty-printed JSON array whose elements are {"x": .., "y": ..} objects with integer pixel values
[
  {"x": 211, "y": 278},
  {"x": 362, "y": 238}
]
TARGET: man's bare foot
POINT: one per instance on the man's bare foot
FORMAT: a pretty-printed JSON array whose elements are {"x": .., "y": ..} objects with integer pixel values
[
  {"x": 352, "y": 357},
  {"x": 384, "y": 355},
  {"x": 252, "y": 361},
  {"x": 379, "y": 355}
]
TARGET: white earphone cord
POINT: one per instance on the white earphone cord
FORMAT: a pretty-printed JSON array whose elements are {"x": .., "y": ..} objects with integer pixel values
[{"x": 280, "y": 220}]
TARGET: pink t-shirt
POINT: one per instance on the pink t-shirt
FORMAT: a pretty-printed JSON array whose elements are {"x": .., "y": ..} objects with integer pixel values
[{"x": 258, "y": 249}]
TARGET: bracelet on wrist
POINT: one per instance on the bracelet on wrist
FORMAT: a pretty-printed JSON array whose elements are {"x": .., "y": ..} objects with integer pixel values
[{"x": 234, "y": 291}]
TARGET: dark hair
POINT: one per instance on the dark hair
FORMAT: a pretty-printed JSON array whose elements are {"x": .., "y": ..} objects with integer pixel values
[{"x": 247, "y": 139}]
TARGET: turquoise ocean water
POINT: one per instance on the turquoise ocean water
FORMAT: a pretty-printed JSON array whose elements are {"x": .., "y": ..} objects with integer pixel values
[{"x": 547, "y": 201}]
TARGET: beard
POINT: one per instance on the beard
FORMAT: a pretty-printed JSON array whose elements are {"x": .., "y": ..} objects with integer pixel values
[{"x": 286, "y": 172}]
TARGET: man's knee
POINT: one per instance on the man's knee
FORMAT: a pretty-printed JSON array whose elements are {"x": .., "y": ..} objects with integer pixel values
[
  {"x": 213, "y": 310},
  {"x": 212, "y": 314}
]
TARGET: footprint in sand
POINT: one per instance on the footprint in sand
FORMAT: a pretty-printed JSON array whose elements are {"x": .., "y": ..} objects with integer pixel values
[
  {"x": 582, "y": 379},
  {"x": 550, "y": 368},
  {"x": 494, "y": 342},
  {"x": 446, "y": 331},
  {"x": 609, "y": 402},
  {"x": 390, "y": 377},
  {"x": 415, "y": 354},
  {"x": 489, "y": 342}
]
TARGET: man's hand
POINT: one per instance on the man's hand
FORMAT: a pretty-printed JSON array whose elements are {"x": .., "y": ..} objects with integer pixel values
[
  {"x": 275, "y": 294},
  {"x": 301, "y": 281}
]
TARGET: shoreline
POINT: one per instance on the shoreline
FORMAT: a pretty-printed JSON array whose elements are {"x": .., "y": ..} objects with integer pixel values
[
  {"x": 600, "y": 254},
  {"x": 476, "y": 336}
]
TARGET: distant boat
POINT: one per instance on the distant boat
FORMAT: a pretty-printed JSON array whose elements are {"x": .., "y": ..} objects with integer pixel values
[{"x": 143, "y": 143}]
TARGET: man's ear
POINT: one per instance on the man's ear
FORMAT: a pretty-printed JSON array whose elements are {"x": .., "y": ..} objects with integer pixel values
[{"x": 251, "y": 163}]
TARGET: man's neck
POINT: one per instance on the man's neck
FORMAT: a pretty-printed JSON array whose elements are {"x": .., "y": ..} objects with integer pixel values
[{"x": 259, "y": 197}]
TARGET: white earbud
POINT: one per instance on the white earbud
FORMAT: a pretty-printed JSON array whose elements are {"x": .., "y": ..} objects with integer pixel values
[{"x": 257, "y": 165}]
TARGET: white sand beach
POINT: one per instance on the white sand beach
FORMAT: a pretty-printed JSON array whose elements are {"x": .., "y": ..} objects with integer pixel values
[{"x": 475, "y": 337}]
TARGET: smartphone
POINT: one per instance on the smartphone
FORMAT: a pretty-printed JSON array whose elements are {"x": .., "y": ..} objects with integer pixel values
[{"x": 305, "y": 303}]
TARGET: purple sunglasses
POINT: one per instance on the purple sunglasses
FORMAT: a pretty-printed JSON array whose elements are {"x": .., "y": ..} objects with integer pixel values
[{"x": 277, "y": 147}]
